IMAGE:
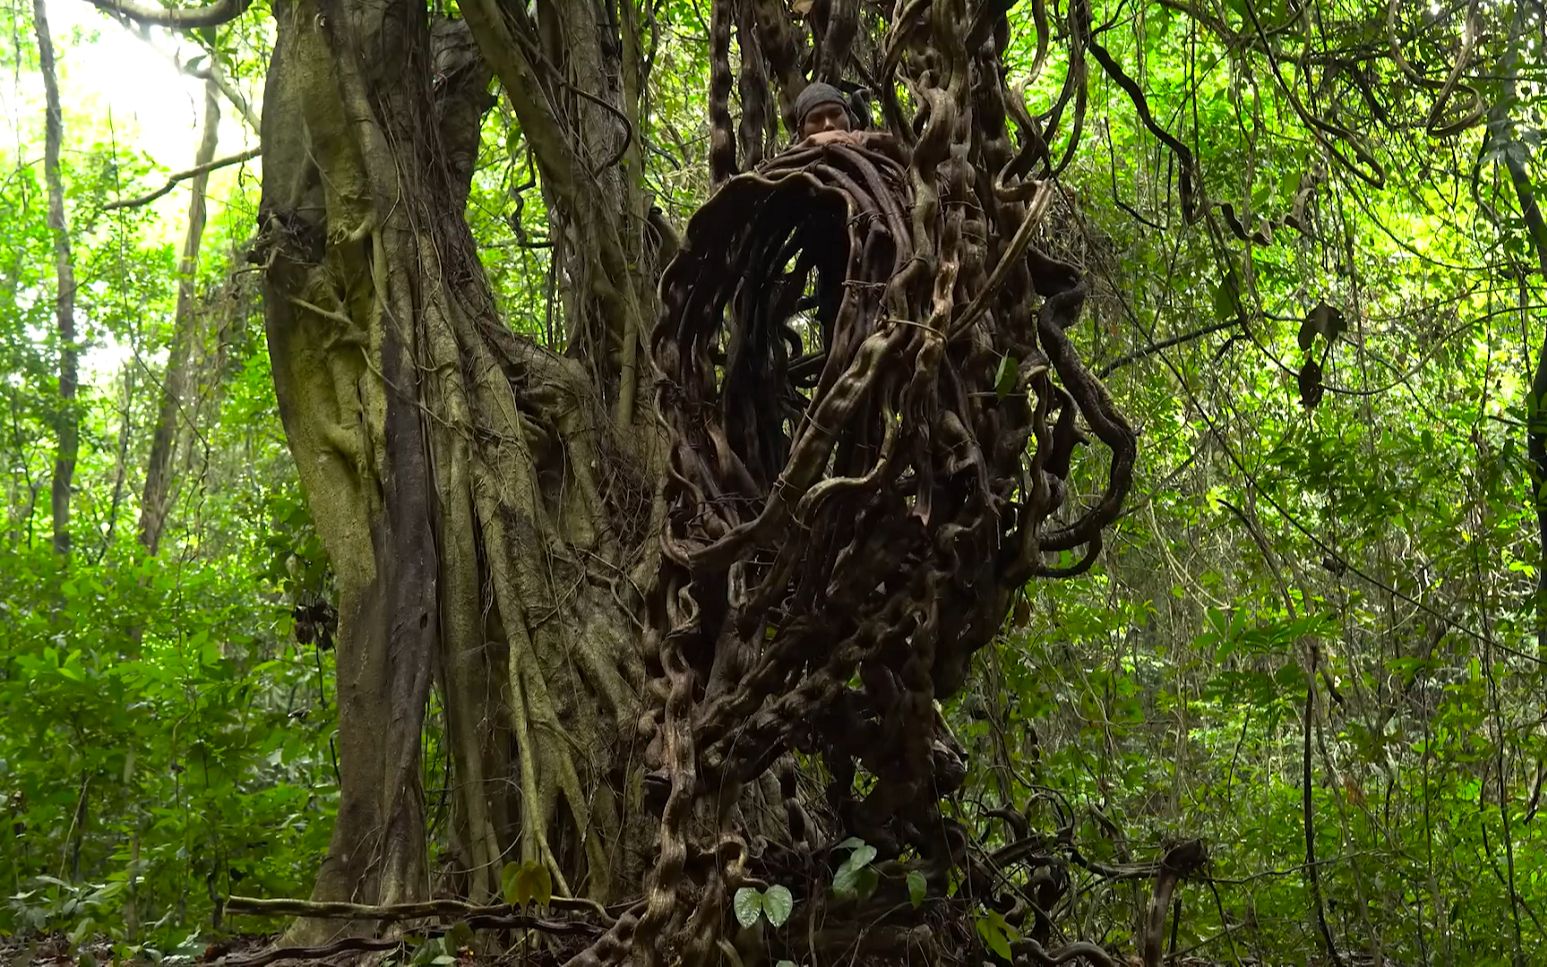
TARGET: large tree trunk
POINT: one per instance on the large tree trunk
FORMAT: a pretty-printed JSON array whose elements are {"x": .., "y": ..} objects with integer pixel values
[
  {"x": 483, "y": 514},
  {"x": 67, "y": 421}
]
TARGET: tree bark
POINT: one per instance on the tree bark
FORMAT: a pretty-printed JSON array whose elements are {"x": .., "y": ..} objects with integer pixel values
[
  {"x": 156, "y": 498},
  {"x": 67, "y": 420},
  {"x": 484, "y": 516}
]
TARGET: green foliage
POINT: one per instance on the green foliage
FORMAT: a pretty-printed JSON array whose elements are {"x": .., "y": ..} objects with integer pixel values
[
  {"x": 524, "y": 883},
  {"x": 166, "y": 740},
  {"x": 171, "y": 747},
  {"x": 775, "y": 903},
  {"x": 996, "y": 933},
  {"x": 855, "y": 877}
]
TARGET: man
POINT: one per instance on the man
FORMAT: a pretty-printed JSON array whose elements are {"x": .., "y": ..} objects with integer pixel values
[{"x": 822, "y": 115}]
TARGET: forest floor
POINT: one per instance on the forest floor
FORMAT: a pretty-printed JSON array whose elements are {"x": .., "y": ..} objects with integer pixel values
[{"x": 56, "y": 950}]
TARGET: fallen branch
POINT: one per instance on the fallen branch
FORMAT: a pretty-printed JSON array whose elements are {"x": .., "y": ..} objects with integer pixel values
[
  {"x": 394, "y": 912},
  {"x": 346, "y": 945},
  {"x": 473, "y": 916}
]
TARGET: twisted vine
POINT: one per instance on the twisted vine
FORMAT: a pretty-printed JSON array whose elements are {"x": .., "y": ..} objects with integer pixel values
[{"x": 874, "y": 412}]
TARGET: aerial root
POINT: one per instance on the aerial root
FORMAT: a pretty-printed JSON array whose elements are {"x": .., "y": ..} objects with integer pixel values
[{"x": 861, "y": 474}]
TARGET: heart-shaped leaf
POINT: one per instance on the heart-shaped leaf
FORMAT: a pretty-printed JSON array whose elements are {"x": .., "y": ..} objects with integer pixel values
[
  {"x": 523, "y": 883},
  {"x": 854, "y": 881},
  {"x": 778, "y": 904},
  {"x": 749, "y": 905}
]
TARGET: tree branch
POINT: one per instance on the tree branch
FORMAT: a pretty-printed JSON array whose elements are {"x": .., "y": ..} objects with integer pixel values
[
  {"x": 394, "y": 912},
  {"x": 222, "y": 11},
  {"x": 1163, "y": 344},
  {"x": 182, "y": 176}
]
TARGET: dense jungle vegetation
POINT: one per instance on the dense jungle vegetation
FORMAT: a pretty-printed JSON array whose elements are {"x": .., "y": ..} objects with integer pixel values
[{"x": 301, "y": 599}]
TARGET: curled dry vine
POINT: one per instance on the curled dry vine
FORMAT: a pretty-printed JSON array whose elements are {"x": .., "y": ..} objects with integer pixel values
[{"x": 873, "y": 409}]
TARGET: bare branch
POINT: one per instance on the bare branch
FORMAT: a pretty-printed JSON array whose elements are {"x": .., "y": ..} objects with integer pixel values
[
  {"x": 395, "y": 912},
  {"x": 182, "y": 176},
  {"x": 222, "y": 11}
]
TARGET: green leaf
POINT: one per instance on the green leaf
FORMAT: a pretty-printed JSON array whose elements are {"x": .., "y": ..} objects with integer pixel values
[
  {"x": 524, "y": 883},
  {"x": 539, "y": 882},
  {"x": 1227, "y": 301},
  {"x": 1004, "y": 379},
  {"x": 848, "y": 881},
  {"x": 749, "y": 905},
  {"x": 855, "y": 882},
  {"x": 429, "y": 953},
  {"x": 508, "y": 882},
  {"x": 778, "y": 904},
  {"x": 917, "y": 888},
  {"x": 996, "y": 933},
  {"x": 458, "y": 936},
  {"x": 82, "y": 930},
  {"x": 862, "y": 855}
]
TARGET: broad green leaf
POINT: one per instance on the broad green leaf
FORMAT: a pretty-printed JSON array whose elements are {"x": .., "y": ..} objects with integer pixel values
[
  {"x": 748, "y": 903},
  {"x": 1227, "y": 302},
  {"x": 458, "y": 936},
  {"x": 861, "y": 856},
  {"x": 855, "y": 881},
  {"x": 535, "y": 881},
  {"x": 82, "y": 930},
  {"x": 528, "y": 882},
  {"x": 996, "y": 933},
  {"x": 917, "y": 888},
  {"x": 508, "y": 882},
  {"x": 778, "y": 903}
]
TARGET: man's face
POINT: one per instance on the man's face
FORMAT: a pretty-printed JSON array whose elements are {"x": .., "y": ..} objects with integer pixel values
[{"x": 825, "y": 117}]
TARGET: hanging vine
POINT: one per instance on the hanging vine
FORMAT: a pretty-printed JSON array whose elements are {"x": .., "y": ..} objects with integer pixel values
[{"x": 873, "y": 410}]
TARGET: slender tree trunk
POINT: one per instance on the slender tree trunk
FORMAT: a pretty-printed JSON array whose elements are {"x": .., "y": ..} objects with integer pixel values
[
  {"x": 156, "y": 499},
  {"x": 120, "y": 463},
  {"x": 1512, "y": 153},
  {"x": 67, "y": 422}
]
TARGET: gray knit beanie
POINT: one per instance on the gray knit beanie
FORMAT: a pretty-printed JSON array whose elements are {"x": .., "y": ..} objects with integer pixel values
[{"x": 814, "y": 95}]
